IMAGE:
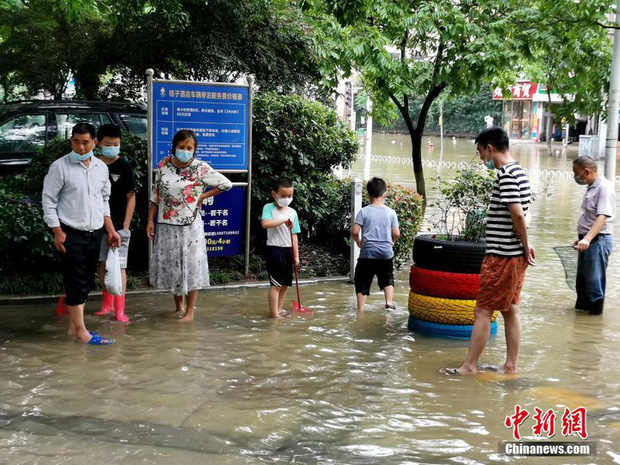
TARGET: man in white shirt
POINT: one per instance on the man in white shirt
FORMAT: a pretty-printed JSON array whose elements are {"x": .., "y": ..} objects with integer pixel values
[{"x": 75, "y": 206}]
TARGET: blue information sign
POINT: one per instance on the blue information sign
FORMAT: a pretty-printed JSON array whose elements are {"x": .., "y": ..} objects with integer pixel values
[
  {"x": 219, "y": 115},
  {"x": 224, "y": 220}
]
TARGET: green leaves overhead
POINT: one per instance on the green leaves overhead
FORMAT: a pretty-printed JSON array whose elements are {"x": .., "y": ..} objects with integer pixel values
[
  {"x": 566, "y": 46},
  {"x": 408, "y": 52},
  {"x": 109, "y": 44}
]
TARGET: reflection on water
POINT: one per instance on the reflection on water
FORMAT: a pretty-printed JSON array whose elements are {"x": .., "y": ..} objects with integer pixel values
[{"x": 334, "y": 387}]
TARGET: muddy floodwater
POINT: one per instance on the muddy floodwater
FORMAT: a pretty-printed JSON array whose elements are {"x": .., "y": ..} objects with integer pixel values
[{"x": 334, "y": 387}]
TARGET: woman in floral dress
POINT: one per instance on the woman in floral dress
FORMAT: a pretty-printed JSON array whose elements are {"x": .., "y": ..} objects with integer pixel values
[{"x": 179, "y": 260}]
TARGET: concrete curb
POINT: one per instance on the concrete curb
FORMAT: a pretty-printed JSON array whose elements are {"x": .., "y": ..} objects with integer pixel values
[{"x": 6, "y": 300}]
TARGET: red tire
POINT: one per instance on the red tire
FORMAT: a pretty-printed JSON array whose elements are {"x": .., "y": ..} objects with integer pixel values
[{"x": 443, "y": 284}]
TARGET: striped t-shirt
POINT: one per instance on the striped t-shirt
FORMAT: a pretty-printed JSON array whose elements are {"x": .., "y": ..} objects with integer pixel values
[{"x": 511, "y": 186}]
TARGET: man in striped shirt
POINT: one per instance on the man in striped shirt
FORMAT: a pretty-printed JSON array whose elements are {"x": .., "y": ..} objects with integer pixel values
[{"x": 508, "y": 251}]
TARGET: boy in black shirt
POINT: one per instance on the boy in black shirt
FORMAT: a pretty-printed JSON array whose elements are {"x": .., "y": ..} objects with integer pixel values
[{"x": 122, "y": 205}]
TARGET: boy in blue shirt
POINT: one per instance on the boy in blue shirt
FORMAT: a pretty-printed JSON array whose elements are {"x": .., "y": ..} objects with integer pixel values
[
  {"x": 378, "y": 225},
  {"x": 282, "y": 253}
]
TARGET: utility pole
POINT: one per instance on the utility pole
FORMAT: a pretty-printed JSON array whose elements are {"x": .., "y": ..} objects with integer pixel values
[
  {"x": 369, "y": 137},
  {"x": 611, "y": 145},
  {"x": 441, "y": 124}
]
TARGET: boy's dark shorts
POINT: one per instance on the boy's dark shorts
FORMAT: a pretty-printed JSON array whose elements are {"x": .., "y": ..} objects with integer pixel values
[
  {"x": 367, "y": 268},
  {"x": 280, "y": 265},
  {"x": 79, "y": 263}
]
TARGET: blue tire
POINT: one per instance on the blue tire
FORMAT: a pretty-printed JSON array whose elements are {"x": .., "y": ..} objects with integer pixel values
[{"x": 438, "y": 329}]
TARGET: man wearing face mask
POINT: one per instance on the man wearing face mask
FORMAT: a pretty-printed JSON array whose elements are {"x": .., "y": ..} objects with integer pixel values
[
  {"x": 594, "y": 229},
  {"x": 508, "y": 251},
  {"x": 76, "y": 193},
  {"x": 122, "y": 205}
]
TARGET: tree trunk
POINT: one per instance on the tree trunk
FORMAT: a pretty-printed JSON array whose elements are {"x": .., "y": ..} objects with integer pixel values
[
  {"x": 87, "y": 84},
  {"x": 416, "y": 139},
  {"x": 415, "y": 133},
  {"x": 548, "y": 129},
  {"x": 416, "y": 157}
]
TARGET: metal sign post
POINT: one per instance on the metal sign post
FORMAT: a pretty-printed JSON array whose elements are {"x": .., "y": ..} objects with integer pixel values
[
  {"x": 356, "y": 206},
  {"x": 249, "y": 193},
  {"x": 149, "y": 148},
  {"x": 220, "y": 114}
]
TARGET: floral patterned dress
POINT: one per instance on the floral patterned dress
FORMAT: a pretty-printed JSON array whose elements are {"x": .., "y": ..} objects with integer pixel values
[{"x": 179, "y": 260}]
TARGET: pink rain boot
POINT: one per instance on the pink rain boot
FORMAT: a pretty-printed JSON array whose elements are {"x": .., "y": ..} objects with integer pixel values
[
  {"x": 108, "y": 304},
  {"x": 61, "y": 308},
  {"x": 119, "y": 305}
]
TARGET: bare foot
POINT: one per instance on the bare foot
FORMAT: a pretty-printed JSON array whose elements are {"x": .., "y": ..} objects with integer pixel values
[
  {"x": 509, "y": 369},
  {"x": 83, "y": 336},
  {"x": 187, "y": 318},
  {"x": 465, "y": 370}
]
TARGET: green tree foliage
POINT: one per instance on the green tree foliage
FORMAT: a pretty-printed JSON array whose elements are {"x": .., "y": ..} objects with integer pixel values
[
  {"x": 304, "y": 141},
  {"x": 463, "y": 204},
  {"x": 406, "y": 50},
  {"x": 43, "y": 41},
  {"x": 109, "y": 44},
  {"x": 408, "y": 206},
  {"x": 26, "y": 242},
  {"x": 571, "y": 54},
  {"x": 219, "y": 40},
  {"x": 462, "y": 114},
  {"x": 408, "y": 53}
]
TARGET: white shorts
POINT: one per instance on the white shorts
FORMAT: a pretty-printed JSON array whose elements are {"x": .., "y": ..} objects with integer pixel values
[{"x": 123, "y": 250}]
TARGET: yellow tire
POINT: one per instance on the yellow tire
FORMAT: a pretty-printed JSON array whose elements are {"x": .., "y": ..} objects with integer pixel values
[{"x": 446, "y": 311}]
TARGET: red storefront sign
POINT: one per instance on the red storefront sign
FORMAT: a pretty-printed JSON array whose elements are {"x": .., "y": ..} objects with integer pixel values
[{"x": 522, "y": 90}]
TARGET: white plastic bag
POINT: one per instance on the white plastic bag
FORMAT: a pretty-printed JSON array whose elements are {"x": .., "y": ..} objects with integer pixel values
[{"x": 113, "y": 279}]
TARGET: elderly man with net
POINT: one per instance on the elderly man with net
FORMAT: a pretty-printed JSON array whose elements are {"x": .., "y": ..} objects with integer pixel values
[{"x": 594, "y": 229}]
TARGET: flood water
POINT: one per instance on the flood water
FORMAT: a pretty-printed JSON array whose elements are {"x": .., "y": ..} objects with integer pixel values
[{"x": 335, "y": 387}]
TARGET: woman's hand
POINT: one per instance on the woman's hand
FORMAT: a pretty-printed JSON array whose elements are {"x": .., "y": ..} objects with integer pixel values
[{"x": 150, "y": 229}]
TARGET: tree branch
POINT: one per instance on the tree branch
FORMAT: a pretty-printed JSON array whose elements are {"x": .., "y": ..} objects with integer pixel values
[
  {"x": 439, "y": 57},
  {"x": 430, "y": 98},
  {"x": 404, "y": 110}
]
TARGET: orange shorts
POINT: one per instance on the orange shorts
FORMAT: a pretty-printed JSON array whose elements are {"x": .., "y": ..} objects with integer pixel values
[{"x": 501, "y": 280}]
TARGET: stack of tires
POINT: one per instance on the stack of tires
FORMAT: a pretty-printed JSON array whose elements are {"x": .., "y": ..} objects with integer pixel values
[{"x": 444, "y": 282}]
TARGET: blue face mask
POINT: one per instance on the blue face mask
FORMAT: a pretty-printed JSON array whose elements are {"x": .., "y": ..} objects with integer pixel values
[
  {"x": 489, "y": 163},
  {"x": 110, "y": 152},
  {"x": 183, "y": 155},
  {"x": 79, "y": 157}
]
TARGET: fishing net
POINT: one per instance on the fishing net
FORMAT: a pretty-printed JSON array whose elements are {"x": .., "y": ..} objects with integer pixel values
[{"x": 568, "y": 257}]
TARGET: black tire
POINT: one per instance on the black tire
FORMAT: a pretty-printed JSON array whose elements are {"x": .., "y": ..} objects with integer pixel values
[{"x": 452, "y": 256}]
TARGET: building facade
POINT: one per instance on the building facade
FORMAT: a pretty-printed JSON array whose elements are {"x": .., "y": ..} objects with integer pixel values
[{"x": 523, "y": 110}]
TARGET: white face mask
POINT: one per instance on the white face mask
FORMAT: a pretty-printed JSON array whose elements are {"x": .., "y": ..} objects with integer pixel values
[{"x": 283, "y": 201}]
